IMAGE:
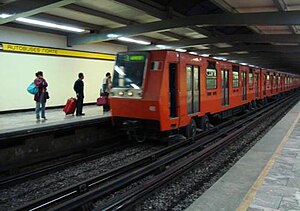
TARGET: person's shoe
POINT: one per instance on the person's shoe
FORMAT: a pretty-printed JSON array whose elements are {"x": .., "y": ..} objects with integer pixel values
[
  {"x": 82, "y": 114},
  {"x": 37, "y": 118},
  {"x": 44, "y": 118}
]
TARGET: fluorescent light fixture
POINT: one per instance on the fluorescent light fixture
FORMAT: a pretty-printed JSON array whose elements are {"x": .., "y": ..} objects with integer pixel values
[
  {"x": 205, "y": 55},
  {"x": 113, "y": 35},
  {"x": 243, "y": 63},
  {"x": 50, "y": 25},
  {"x": 220, "y": 58},
  {"x": 161, "y": 46},
  {"x": 44, "y": 23},
  {"x": 126, "y": 39},
  {"x": 4, "y": 15},
  {"x": 193, "y": 53},
  {"x": 180, "y": 50}
]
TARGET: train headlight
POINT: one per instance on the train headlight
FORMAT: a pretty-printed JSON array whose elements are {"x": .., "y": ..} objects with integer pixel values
[
  {"x": 152, "y": 108},
  {"x": 121, "y": 93},
  {"x": 130, "y": 93}
]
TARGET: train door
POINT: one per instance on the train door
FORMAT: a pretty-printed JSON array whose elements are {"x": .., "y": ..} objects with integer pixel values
[
  {"x": 193, "y": 93},
  {"x": 225, "y": 87},
  {"x": 256, "y": 84},
  {"x": 244, "y": 85},
  {"x": 172, "y": 89},
  {"x": 271, "y": 82}
]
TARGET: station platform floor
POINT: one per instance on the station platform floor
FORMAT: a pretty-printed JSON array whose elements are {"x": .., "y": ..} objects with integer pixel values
[
  {"x": 26, "y": 121},
  {"x": 267, "y": 178}
]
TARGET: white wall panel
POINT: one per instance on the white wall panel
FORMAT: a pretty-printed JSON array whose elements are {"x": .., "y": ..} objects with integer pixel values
[{"x": 17, "y": 71}]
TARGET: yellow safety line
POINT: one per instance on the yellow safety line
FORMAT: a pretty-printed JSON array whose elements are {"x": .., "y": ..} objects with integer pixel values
[{"x": 253, "y": 190}]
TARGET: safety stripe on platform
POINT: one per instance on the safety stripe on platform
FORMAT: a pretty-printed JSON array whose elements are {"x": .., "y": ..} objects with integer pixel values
[{"x": 255, "y": 187}]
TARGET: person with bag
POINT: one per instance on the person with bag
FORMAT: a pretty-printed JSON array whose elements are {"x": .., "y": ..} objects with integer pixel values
[
  {"x": 106, "y": 86},
  {"x": 78, "y": 88},
  {"x": 41, "y": 96}
]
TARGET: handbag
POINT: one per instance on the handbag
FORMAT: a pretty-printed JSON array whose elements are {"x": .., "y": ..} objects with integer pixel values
[
  {"x": 102, "y": 101},
  {"x": 32, "y": 89},
  {"x": 47, "y": 95}
]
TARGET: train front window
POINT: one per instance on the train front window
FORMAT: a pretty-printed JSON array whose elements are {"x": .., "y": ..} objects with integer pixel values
[{"x": 129, "y": 70}]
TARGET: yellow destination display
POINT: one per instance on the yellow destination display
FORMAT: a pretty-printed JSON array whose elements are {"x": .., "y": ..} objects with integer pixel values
[{"x": 55, "y": 51}]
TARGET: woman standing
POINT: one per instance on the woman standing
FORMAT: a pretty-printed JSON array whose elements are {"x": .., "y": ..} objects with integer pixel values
[{"x": 41, "y": 96}]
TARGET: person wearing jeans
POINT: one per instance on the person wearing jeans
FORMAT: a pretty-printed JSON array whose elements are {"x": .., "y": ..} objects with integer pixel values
[{"x": 41, "y": 96}]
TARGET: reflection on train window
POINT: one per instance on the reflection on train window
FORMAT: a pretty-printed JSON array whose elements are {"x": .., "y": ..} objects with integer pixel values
[
  {"x": 235, "y": 79},
  {"x": 129, "y": 70},
  {"x": 188, "y": 78},
  {"x": 196, "y": 78},
  {"x": 211, "y": 78},
  {"x": 250, "y": 79}
]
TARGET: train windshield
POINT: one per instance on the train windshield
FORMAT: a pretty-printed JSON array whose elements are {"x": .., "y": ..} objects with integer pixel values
[{"x": 129, "y": 70}]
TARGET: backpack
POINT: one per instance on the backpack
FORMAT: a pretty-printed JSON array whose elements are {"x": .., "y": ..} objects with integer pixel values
[{"x": 32, "y": 89}]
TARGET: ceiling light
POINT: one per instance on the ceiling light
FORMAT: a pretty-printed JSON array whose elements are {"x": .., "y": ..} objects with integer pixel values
[
  {"x": 180, "y": 50},
  {"x": 205, "y": 55},
  {"x": 243, "y": 63},
  {"x": 4, "y": 15},
  {"x": 161, "y": 46},
  {"x": 194, "y": 53},
  {"x": 50, "y": 25},
  {"x": 126, "y": 39},
  {"x": 113, "y": 35},
  {"x": 220, "y": 58}
]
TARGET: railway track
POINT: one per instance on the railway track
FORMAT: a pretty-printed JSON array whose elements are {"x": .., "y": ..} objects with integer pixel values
[
  {"x": 185, "y": 154},
  {"x": 64, "y": 162}
]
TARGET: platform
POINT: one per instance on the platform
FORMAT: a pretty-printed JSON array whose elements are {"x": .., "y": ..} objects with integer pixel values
[
  {"x": 266, "y": 178},
  {"x": 25, "y": 122}
]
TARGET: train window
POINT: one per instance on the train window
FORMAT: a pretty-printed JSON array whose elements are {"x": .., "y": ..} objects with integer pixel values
[
  {"x": 235, "y": 79},
  {"x": 211, "y": 78},
  {"x": 188, "y": 78},
  {"x": 129, "y": 70},
  {"x": 155, "y": 65},
  {"x": 250, "y": 79},
  {"x": 196, "y": 78}
]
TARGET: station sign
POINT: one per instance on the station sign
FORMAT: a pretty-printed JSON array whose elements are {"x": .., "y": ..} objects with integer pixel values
[{"x": 55, "y": 51}]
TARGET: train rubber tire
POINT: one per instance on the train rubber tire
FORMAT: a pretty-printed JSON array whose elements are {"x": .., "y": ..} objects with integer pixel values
[
  {"x": 205, "y": 125},
  {"x": 191, "y": 129}
]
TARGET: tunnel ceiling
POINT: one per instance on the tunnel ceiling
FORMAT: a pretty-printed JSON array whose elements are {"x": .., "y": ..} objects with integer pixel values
[{"x": 264, "y": 33}]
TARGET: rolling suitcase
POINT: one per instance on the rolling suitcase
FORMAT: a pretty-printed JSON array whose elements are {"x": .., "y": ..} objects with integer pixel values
[{"x": 70, "y": 106}]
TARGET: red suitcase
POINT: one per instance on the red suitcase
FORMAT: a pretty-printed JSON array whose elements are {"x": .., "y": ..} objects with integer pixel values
[{"x": 70, "y": 106}]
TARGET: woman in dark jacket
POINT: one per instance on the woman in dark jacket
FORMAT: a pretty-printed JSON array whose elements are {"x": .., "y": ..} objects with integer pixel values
[{"x": 41, "y": 96}]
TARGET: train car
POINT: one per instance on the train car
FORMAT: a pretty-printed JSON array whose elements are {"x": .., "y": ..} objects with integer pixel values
[{"x": 160, "y": 93}]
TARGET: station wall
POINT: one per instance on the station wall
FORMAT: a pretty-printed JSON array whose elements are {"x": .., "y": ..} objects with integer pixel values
[{"x": 17, "y": 70}]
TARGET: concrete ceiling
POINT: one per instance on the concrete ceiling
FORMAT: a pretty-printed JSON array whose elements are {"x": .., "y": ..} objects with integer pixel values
[{"x": 259, "y": 32}]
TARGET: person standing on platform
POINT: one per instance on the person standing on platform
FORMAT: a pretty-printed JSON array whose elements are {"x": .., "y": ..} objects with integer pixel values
[
  {"x": 78, "y": 88},
  {"x": 106, "y": 86},
  {"x": 41, "y": 96}
]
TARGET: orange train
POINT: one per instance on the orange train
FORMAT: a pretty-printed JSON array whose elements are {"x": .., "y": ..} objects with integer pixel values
[{"x": 168, "y": 92}]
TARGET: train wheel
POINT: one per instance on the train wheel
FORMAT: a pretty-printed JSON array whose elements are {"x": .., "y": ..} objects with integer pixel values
[
  {"x": 205, "y": 125},
  {"x": 191, "y": 129},
  {"x": 139, "y": 136}
]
